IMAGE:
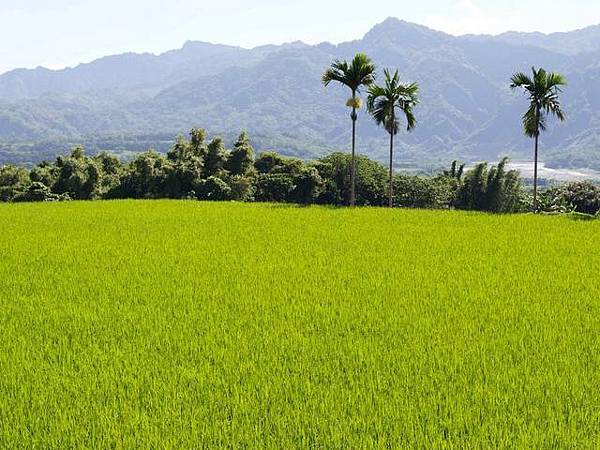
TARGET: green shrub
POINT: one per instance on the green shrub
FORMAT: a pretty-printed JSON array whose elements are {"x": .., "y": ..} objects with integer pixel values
[
  {"x": 13, "y": 181},
  {"x": 421, "y": 192},
  {"x": 213, "y": 189},
  {"x": 38, "y": 192},
  {"x": 308, "y": 185},
  {"x": 493, "y": 189},
  {"x": 144, "y": 177},
  {"x": 274, "y": 187},
  {"x": 193, "y": 168},
  {"x": 583, "y": 196},
  {"x": 371, "y": 180},
  {"x": 551, "y": 201},
  {"x": 241, "y": 159},
  {"x": 242, "y": 188}
]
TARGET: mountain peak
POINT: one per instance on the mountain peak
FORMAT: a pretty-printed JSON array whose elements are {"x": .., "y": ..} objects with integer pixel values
[
  {"x": 396, "y": 30},
  {"x": 201, "y": 45},
  {"x": 394, "y": 21}
]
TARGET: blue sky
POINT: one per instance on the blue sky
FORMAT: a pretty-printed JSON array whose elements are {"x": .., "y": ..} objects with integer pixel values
[{"x": 59, "y": 33}]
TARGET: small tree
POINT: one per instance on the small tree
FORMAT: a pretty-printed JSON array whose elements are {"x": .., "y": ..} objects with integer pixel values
[
  {"x": 144, "y": 177},
  {"x": 13, "y": 181},
  {"x": 267, "y": 162},
  {"x": 582, "y": 196},
  {"x": 371, "y": 180},
  {"x": 78, "y": 176},
  {"x": 186, "y": 166},
  {"x": 308, "y": 185},
  {"x": 275, "y": 187},
  {"x": 215, "y": 159},
  {"x": 197, "y": 145},
  {"x": 241, "y": 158}
]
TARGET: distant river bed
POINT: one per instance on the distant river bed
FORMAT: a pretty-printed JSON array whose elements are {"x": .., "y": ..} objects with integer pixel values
[{"x": 526, "y": 169}]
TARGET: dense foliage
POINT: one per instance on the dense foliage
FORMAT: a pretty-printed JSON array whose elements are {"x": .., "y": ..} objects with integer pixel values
[
  {"x": 581, "y": 196},
  {"x": 493, "y": 189},
  {"x": 197, "y": 169}
]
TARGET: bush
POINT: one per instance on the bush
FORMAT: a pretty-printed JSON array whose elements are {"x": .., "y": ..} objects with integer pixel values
[
  {"x": 273, "y": 163},
  {"x": 242, "y": 188},
  {"x": 13, "y": 181},
  {"x": 145, "y": 177},
  {"x": 420, "y": 192},
  {"x": 583, "y": 196},
  {"x": 38, "y": 192},
  {"x": 195, "y": 169},
  {"x": 493, "y": 190},
  {"x": 274, "y": 187},
  {"x": 78, "y": 176},
  {"x": 45, "y": 173},
  {"x": 551, "y": 201},
  {"x": 213, "y": 189},
  {"x": 308, "y": 185},
  {"x": 371, "y": 180}
]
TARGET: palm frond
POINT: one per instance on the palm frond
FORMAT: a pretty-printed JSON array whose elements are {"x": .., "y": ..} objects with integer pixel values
[
  {"x": 520, "y": 80},
  {"x": 554, "y": 108},
  {"x": 337, "y": 72},
  {"x": 375, "y": 92},
  {"x": 533, "y": 122},
  {"x": 543, "y": 91},
  {"x": 383, "y": 102},
  {"x": 411, "y": 120},
  {"x": 355, "y": 74},
  {"x": 555, "y": 80}
]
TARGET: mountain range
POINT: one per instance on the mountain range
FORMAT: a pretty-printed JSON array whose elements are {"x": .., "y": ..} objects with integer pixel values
[{"x": 130, "y": 102}]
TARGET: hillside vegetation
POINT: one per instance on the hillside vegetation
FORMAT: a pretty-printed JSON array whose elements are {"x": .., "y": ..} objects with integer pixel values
[
  {"x": 174, "y": 324},
  {"x": 275, "y": 93},
  {"x": 195, "y": 168}
]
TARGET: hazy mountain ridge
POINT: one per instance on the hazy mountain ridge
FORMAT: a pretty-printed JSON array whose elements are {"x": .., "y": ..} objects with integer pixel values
[
  {"x": 573, "y": 42},
  {"x": 467, "y": 109}
]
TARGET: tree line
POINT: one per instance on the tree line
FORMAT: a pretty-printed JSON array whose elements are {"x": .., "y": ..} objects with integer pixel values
[{"x": 198, "y": 169}]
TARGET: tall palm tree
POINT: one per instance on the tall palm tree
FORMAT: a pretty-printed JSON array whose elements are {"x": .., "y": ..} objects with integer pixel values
[
  {"x": 384, "y": 104},
  {"x": 356, "y": 74},
  {"x": 543, "y": 91}
]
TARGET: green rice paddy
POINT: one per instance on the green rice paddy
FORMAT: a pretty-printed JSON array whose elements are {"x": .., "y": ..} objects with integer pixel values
[{"x": 193, "y": 325}]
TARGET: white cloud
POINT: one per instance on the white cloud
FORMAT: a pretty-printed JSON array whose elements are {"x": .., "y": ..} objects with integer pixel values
[
  {"x": 468, "y": 17},
  {"x": 494, "y": 17}
]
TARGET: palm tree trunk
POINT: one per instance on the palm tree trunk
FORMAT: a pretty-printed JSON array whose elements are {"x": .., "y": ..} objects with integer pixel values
[
  {"x": 353, "y": 168},
  {"x": 391, "y": 192},
  {"x": 535, "y": 162},
  {"x": 535, "y": 176}
]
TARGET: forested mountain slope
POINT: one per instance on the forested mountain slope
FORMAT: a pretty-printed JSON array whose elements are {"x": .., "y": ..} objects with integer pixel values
[{"x": 275, "y": 93}]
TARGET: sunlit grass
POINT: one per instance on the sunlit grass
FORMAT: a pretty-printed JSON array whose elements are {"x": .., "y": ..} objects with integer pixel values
[{"x": 184, "y": 324}]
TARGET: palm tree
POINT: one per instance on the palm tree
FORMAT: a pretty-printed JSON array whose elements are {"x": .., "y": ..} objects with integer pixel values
[
  {"x": 356, "y": 74},
  {"x": 543, "y": 91},
  {"x": 384, "y": 102}
]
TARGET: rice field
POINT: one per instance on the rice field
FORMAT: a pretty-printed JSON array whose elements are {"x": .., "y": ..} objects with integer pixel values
[{"x": 191, "y": 325}]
